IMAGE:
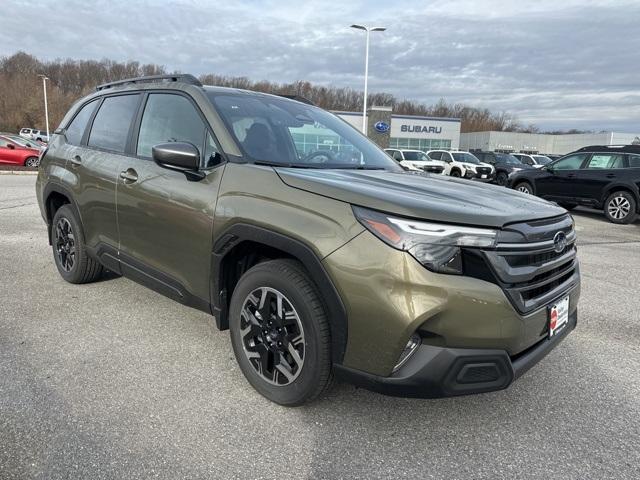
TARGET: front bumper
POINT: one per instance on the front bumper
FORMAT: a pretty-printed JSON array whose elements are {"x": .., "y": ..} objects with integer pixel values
[
  {"x": 434, "y": 372},
  {"x": 478, "y": 176}
]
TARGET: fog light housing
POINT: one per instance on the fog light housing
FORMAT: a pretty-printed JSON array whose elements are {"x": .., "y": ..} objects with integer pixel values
[{"x": 409, "y": 349}]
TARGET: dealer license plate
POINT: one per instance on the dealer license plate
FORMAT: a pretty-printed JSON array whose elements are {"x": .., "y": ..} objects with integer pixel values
[
  {"x": 483, "y": 176},
  {"x": 558, "y": 316}
]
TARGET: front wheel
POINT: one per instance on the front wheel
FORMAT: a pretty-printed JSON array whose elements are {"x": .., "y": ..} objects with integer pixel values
[
  {"x": 620, "y": 207},
  {"x": 524, "y": 187},
  {"x": 502, "y": 178},
  {"x": 280, "y": 333},
  {"x": 32, "y": 162},
  {"x": 455, "y": 173}
]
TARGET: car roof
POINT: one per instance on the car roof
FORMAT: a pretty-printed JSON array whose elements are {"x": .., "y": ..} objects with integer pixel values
[{"x": 610, "y": 148}]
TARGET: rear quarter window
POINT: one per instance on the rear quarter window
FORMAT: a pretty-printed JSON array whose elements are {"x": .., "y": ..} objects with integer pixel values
[{"x": 76, "y": 128}]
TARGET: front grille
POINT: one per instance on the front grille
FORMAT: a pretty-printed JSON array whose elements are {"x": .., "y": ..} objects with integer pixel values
[
  {"x": 531, "y": 272},
  {"x": 433, "y": 169},
  {"x": 483, "y": 170}
]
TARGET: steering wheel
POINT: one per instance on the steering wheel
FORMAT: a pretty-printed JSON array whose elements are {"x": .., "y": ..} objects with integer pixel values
[{"x": 328, "y": 155}]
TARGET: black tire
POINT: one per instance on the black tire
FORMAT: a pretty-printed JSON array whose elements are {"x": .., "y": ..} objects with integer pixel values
[
  {"x": 32, "y": 162},
  {"x": 524, "y": 187},
  {"x": 69, "y": 250},
  {"x": 620, "y": 207},
  {"x": 455, "y": 173},
  {"x": 288, "y": 278},
  {"x": 502, "y": 178},
  {"x": 568, "y": 206}
]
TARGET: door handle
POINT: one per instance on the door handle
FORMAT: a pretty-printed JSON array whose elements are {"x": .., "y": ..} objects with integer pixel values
[
  {"x": 76, "y": 160},
  {"x": 610, "y": 175},
  {"x": 129, "y": 175},
  {"x": 571, "y": 175}
]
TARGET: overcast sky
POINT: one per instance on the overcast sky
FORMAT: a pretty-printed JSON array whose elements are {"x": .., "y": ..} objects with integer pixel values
[{"x": 555, "y": 63}]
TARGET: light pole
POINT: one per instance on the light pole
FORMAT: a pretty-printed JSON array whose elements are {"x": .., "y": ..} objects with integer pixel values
[
  {"x": 46, "y": 107},
  {"x": 366, "y": 69}
]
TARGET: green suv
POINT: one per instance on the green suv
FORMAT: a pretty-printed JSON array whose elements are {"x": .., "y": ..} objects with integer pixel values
[{"x": 315, "y": 249}]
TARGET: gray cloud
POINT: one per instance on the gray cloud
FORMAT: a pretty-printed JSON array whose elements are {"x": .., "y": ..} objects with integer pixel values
[{"x": 570, "y": 64}]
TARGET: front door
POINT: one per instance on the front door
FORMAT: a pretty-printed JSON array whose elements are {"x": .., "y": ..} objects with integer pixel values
[
  {"x": 560, "y": 180},
  {"x": 166, "y": 219}
]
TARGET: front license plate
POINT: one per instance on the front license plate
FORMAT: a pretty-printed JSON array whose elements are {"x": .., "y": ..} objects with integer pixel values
[
  {"x": 558, "y": 316},
  {"x": 483, "y": 176}
]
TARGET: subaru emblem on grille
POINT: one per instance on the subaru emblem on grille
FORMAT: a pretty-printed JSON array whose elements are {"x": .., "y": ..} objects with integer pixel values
[{"x": 559, "y": 242}]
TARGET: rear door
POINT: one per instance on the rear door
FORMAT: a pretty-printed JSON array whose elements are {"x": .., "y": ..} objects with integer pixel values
[
  {"x": 166, "y": 219},
  {"x": 561, "y": 179},
  {"x": 94, "y": 158},
  {"x": 601, "y": 170}
]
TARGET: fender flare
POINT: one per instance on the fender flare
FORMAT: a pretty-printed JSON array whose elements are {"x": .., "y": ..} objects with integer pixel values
[
  {"x": 60, "y": 189},
  {"x": 239, "y": 232}
]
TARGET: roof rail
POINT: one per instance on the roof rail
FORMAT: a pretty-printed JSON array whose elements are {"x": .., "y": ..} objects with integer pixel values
[
  {"x": 182, "y": 77},
  {"x": 297, "y": 98}
]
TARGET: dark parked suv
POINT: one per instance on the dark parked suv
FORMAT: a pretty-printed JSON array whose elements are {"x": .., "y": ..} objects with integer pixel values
[
  {"x": 318, "y": 252},
  {"x": 602, "y": 177},
  {"x": 504, "y": 163}
]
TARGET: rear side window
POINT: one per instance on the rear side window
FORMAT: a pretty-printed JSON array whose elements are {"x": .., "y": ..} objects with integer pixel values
[
  {"x": 634, "y": 161},
  {"x": 111, "y": 126},
  {"x": 435, "y": 155},
  {"x": 76, "y": 128},
  {"x": 606, "y": 160},
  {"x": 169, "y": 118}
]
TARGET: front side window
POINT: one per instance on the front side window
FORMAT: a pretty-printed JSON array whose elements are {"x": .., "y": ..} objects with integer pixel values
[
  {"x": 284, "y": 132},
  {"x": 542, "y": 159},
  {"x": 435, "y": 155},
  {"x": 169, "y": 118},
  {"x": 465, "y": 157},
  {"x": 76, "y": 128},
  {"x": 508, "y": 159},
  {"x": 416, "y": 156},
  {"x": 571, "y": 162},
  {"x": 111, "y": 124},
  {"x": 605, "y": 160}
]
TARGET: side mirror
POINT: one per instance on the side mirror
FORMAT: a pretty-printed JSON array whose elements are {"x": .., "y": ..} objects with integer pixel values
[
  {"x": 180, "y": 156},
  {"x": 11, "y": 146}
]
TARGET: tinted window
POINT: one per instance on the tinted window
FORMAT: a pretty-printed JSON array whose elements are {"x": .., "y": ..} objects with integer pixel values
[
  {"x": 570, "y": 162},
  {"x": 111, "y": 124},
  {"x": 465, "y": 157},
  {"x": 507, "y": 158},
  {"x": 435, "y": 155},
  {"x": 542, "y": 159},
  {"x": 416, "y": 156},
  {"x": 605, "y": 160},
  {"x": 398, "y": 156},
  {"x": 169, "y": 118},
  {"x": 76, "y": 128},
  {"x": 634, "y": 161}
]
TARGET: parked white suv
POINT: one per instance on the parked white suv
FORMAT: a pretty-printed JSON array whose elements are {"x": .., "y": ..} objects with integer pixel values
[
  {"x": 463, "y": 164},
  {"x": 416, "y": 159},
  {"x": 535, "y": 160},
  {"x": 33, "y": 134}
]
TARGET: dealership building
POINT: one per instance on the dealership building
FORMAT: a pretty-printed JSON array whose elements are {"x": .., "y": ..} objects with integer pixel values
[
  {"x": 409, "y": 131},
  {"x": 541, "y": 143}
]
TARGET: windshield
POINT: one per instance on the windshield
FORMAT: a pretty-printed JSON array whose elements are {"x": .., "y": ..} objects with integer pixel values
[
  {"x": 21, "y": 141},
  {"x": 541, "y": 159},
  {"x": 416, "y": 156},
  {"x": 465, "y": 157},
  {"x": 278, "y": 131},
  {"x": 507, "y": 158}
]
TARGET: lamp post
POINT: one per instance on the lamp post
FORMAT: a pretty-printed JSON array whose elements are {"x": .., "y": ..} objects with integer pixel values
[
  {"x": 366, "y": 69},
  {"x": 46, "y": 107}
]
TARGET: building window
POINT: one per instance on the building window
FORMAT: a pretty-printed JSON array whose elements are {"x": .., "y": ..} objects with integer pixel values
[{"x": 423, "y": 144}]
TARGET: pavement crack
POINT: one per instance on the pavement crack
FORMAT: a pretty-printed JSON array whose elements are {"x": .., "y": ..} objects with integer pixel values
[{"x": 16, "y": 206}]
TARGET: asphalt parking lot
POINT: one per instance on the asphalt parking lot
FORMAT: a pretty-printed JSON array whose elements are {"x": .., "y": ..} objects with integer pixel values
[{"x": 111, "y": 380}]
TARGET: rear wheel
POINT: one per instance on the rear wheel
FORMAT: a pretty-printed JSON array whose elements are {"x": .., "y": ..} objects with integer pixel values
[
  {"x": 620, "y": 207},
  {"x": 455, "y": 173},
  {"x": 524, "y": 187},
  {"x": 69, "y": 250},
  {"x": 32, "y": 162},
  {"x": 280, "y": 333}
]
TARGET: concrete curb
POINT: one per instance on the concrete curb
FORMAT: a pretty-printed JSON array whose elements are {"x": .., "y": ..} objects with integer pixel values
[{"x": 18, "y": 172}]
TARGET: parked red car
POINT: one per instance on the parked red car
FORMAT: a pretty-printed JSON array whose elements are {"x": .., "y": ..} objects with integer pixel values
[{"x": 15, "y": 154}]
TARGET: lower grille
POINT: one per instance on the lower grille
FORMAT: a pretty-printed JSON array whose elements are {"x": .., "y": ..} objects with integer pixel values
[{"x": 433, "y": 169}]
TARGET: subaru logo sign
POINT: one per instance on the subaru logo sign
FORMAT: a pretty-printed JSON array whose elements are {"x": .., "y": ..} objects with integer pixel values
[{"x": 381, "y": 127}]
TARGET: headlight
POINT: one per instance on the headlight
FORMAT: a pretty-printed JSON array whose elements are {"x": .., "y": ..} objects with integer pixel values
[
  {"x": 470, "y": 167},
  {"x": 437, "y": 246}
]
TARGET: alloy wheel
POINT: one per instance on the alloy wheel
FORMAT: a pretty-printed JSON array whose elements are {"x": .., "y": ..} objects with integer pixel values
[
  {"x": 272, "y": 336},
  {"x": 619, "y": 207},
  {"x": 32, "y": 162},
  {"x": 65, "y": 244},
  {"x": 524, "y": 189}
]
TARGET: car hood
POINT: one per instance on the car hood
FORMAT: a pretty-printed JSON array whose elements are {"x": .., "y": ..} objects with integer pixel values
[{"x": 429, "y": 197}]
